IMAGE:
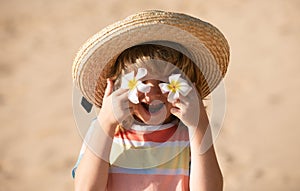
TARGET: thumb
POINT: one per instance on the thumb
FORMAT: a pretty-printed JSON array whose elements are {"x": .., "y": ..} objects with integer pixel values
[
  {"x": 176, "y": 112},
  {"x": 109, "y": 87}
]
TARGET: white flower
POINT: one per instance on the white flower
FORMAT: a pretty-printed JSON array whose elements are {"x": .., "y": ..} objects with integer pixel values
[
  {"x": 175, "y": 87},
  {"x": 134, "y": 84}
]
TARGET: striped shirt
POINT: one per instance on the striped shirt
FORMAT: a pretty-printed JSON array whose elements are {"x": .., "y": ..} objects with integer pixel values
[{"x": 151, "y": 158}]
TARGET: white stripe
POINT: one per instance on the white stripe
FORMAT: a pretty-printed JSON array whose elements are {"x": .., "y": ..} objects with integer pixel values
[
  {"x": 151, "y": 128},
  {"x": 127, "y": 142}
]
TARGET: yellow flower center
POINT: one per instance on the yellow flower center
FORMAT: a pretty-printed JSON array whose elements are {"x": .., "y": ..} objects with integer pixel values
[
  {"x": 132, "y": 84},
  {"x": 174, "y": 86}
]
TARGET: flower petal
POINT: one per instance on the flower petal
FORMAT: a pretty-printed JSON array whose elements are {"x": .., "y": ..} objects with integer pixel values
[
  {"x": 132, "y": 96},
  {"x": 181, "y": 80},
  {"x": 172, "y": 97},
  {"x": 184, "y": 89},
  {"x": 142, "y": 72},
  {"x": 176, "y": 96},
  {"x": 174, "y": 77},
  {"x": 163, "y": 87},
  {"x": 124, "y": 84},
  {"x": 129, "y": 76},
  {"x": 125, "y": 80},
  {"x": 145, "y": 88}
]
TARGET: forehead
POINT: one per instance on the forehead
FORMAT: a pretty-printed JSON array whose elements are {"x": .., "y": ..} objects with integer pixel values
[
  {"x": 156, "y": 76},
  {"x": 156, "y": 69}
]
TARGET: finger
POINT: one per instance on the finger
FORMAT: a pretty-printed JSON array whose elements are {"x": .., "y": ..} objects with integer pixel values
[
  {"x": 127, "y": 110},
  {"x": 190, "y": 100},
  {"x": 125, "y": 103},
  {"x": 125, "y": 113},
  {"x": 181, "y": 101},
  {"x": 178, "y": 104},
  {"x": 121, "y": 92},
  {"x": 176, "y": 112},
  {"x": 184, "y": 99},
  {"x": 124, "y": 96},
  {"x": 120, "y": 95},
  {"x": 122, "y": 106},
  {"x": 109, "y": 87},
  {"x": 131, "y": 110}
]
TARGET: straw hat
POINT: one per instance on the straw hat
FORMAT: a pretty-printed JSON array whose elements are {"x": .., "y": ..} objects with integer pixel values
[{"x": 203, "y": 43}]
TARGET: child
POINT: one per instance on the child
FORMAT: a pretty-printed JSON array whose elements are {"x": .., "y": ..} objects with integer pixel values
[{"x": 150, "y": 87}]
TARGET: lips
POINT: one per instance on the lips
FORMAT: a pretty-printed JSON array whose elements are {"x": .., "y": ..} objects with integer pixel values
[{"x": 153, "y": 107}]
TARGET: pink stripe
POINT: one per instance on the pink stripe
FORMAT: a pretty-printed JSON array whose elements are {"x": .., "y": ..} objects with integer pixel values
[
  {"x": 125, "y": 182},
  {"x": 170, "y": 134}
]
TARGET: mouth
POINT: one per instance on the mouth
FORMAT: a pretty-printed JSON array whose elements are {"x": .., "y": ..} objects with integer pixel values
[{"x": 153, "y": 107}]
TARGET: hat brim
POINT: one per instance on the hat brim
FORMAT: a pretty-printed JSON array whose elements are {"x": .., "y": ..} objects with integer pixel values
[{"x": 205, "y": 45}]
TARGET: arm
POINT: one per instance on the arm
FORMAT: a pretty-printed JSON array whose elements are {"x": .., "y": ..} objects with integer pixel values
[
  {"x": 205, "y": 174},
  {"x": 92, "y": 172}
]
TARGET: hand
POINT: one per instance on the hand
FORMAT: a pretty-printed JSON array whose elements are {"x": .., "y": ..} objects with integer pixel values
[
  {"x": 115, "y": 106},
  {"x": 189, "y": 109}
]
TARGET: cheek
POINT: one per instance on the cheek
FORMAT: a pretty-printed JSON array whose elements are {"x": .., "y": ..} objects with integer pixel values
[
  {"x": 170, "y": 105},
  {"x": 165, "y": 96}
]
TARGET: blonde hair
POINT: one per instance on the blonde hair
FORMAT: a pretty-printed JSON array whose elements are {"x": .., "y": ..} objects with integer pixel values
[{"x": 150, "y": 56}]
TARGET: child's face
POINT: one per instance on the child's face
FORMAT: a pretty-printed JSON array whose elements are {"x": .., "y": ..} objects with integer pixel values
[{"x": 153, "y": 107}]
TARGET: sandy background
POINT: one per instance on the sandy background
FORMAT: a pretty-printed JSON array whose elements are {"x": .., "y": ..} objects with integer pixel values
[{"x": 258, "y": 147}]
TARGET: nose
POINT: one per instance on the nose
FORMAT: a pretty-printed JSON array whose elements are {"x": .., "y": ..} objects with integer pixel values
[{"x": 154, "y": 90}]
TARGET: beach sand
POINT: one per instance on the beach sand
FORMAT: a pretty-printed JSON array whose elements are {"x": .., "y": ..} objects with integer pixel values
[{"x": 258, "y": 144}]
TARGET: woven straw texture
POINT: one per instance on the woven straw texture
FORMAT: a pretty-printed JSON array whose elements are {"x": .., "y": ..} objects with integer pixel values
[{"x": 206, "y": 46}]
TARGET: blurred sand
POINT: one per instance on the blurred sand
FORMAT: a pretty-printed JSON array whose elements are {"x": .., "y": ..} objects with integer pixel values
[{"x": 258, "y": 145}]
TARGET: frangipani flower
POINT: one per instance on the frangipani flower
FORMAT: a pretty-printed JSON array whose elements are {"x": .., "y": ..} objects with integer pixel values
[
  {"x": 133, "y": 83},
  {"x": 175, "y": 87}
]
